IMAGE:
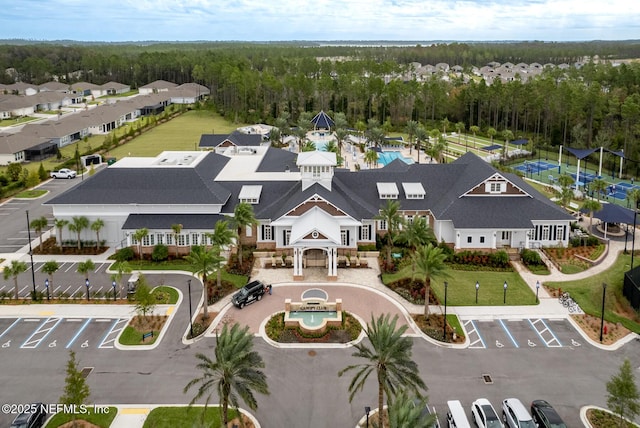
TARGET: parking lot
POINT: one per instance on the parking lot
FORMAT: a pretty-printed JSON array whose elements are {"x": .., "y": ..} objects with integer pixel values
[
  {"x": 522, "y": 333},
  {"x": 66, "y": 282},
  {"x": 56, "y": 333}
]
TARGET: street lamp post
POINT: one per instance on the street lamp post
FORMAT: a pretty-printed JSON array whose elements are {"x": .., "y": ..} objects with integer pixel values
[
  {"x": 33, "y": 271},
  {"x": 46, "y": 284},
  {"x": 477, "y": 288},
  {"x": 604, "y": 294},
  {"x": 537, "y": 290},
  {"x": 367, "y": 410},
  {"x": 113, "y": 284},
  {"x": 86, "y": 282},
  {"x": 444, "y": 322},
  {"x": 190, "y": 313},
  {"x": 504, "y": 298}
]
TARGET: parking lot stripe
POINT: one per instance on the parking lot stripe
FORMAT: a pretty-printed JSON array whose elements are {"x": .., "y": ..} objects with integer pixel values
[
  {"x": 69, "y": 268},
  {"x": 10, "y": 327},
  {"x": 555, "y": 338},
  {"x": 484, "y": 345},
  {"x": 86, "y": 323},
  {"x": 506, "y": 330},
  {"x": 29, "y": 343},
  {"x": 107, "y": 341}
]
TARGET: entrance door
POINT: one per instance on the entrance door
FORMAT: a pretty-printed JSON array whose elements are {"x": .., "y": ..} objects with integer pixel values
[
  {"x": 505, "y": 238},
  {"x": 315, "y": 257}
]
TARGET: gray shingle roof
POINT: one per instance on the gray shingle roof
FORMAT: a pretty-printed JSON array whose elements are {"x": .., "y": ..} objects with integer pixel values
[
  {"x": 237, "y": 138},
  {"x": 165, "y": 221}
]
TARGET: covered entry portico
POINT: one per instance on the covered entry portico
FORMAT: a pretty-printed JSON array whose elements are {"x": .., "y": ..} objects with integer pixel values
[{"x": 328, "y": 256}]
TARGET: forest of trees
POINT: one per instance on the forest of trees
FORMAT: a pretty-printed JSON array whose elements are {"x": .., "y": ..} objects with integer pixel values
[{"x": 595, "y": 105}]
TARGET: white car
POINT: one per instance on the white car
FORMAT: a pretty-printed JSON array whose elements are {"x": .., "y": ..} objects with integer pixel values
[
  {"x": 515, "y": 415},
  {"x": 484, "y": 415}
]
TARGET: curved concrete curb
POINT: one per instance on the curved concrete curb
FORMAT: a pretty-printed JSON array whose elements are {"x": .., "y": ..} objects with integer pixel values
[
  {"x": 134, "y": 415},
  {"x": 157, "y": 342},
  {"x": 613, "y": 347},
  {"x": 585, "y": 409}
]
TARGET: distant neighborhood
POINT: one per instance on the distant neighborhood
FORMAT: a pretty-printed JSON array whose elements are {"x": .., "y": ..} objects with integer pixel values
[{"x": 79, "y": 113}]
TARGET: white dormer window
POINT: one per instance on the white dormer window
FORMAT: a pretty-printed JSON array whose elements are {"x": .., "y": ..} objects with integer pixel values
[
  {"x": 496, "y": 186},
  {"x": 250, "y": 194},
  {"x": 387, "y": 190},
  {"x": 413, "y": 190}
]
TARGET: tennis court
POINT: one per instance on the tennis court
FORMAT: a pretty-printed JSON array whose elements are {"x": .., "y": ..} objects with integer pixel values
[
  {"x": 585, "y": 177},
  {"x": 619, "y": 190},
  {"x": 535, "y": 167}
]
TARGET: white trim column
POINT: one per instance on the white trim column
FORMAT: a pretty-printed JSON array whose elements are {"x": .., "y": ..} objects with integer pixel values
[{"x": 297, "y": 264}]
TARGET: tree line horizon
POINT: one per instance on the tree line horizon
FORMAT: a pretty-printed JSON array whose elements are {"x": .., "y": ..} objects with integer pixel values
[{"x": 597, "y": 104}]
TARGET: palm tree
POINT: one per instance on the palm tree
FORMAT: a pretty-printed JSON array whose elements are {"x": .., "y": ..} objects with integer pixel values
[
  {"x": 341, "y": 135},
  {"x": 390, "y": 214},
  {"x": 96, "y": 226},
  {"x": 39, "y": 224},
  {"x": 177, "y": 229},
  {"x": 221, "y": 237},
  {"x": 429, "y": 263},
  {"x": 375, "y": 136},
  {"x": 389, "y": 356},
  {"x": 416, "y": 233},
  {"x": 474, "y": 129},
  {"x": 598, "y": 185},
  {"x": 411, "y": 128},
  {"x": 83, "y": 269},
  {"x": 508, "y": 136},
  {"x": 406, "y": 411},
  {"x": 234, "y": 372},
  {"x": 13, "y": 270},
  {"x": 60, "y": 225},
  {"x": 77, "y": 225},
  {"x": 491, "y": 132},
  {"x": 371, "y": 158},
  {"x": 460, "y": 126},
  {"x": 421, "y": 136},
  {"x": 138, "y": 236},
  {"x": 121, "y": 267},
  {"x": 203, "y": 261},
  {"x": 243, "y": 217},
  {"x": 50, "y": 268},
  {"x": 590, "y": 206}
]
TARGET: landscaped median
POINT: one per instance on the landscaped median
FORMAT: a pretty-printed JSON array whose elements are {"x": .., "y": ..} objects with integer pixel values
[
  {"x": 171, "y": 417},
  {"x": 102, "y": 419},
  {"x": 144, "y": 328}
]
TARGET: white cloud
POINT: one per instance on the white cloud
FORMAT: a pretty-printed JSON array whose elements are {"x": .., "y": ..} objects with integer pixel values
[{"x": 320, "y": 19}]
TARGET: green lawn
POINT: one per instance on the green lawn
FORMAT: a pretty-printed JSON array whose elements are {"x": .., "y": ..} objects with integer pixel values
[
  {"x": 30, "y": 194},
  {"x": 170, "y": 417},
  {"x": 102, "y": 420},
  {"x": 181, "y": 133},
  {"x": 461, "y": 290},
  {"x": 171, "y": 294},
  {"x": 131, "y": 336},
  {"x": 588, "y": 292}
]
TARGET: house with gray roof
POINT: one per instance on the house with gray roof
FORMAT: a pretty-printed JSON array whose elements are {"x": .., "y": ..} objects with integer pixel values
[
  {"x": 234, "y": 143},
  {"x": 308, "y": 208}
]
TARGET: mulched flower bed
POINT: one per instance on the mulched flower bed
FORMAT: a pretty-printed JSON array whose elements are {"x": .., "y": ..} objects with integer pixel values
[
  {"x": 276, "y": 331},
  {"x": 50, "y": 246},
  {"x": 431, "y": 325},
  {"x": 413, "y": 290}
]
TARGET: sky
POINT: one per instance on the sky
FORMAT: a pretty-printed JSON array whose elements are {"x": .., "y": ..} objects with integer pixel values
[{"x": 330, "y": 20}]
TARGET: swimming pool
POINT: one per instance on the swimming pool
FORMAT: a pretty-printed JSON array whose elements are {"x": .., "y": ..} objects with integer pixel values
[{"x": 387, "y": 157}]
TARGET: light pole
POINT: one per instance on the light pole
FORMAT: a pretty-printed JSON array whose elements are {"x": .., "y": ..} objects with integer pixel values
[
  {"x": 504, "y": 298},
  {"x": 367, "y": 410},
  {"x": 33, "y": 271},
  {"x": 190, "y": 313},
  {"x": 444, "y": 322},
  {"x": 537, "y": 289},
  {"x": 46, "y": 284},
  {"x": 86, "y": 282},
  {"x": 604, "y": 294},
  {"x": 477, "y": 288},
  {"x": 113, "y": 284}
]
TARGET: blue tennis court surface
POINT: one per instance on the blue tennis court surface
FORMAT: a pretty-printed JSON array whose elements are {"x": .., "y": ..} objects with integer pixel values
[
  {"x": 619, "y": 190},
  {"x": 584, "y": 177},
  {"x": 535, "y": 167}
]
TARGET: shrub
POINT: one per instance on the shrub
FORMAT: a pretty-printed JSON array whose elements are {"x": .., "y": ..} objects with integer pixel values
[
  {"x": 125, "y": 254},
  {"x": 499, "y": 259},
  {"x": 531, "y": 257},
  {"x": 160, "y": 253}
]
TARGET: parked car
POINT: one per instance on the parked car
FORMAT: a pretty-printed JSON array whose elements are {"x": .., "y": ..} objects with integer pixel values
[
  {"x": 515, "y": 415},
  {"x": 250, "y": 293},
  {"x": 63, "y": 173},
  {"x": 484, "y": 415},
  {"x": 544, "y": 415},
  {"x": 34, "y": 418},
  {"x": 456, "y": 417}
]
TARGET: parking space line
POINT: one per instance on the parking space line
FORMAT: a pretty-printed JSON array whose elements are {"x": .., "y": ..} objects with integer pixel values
[
  {"x": 22, "y": 289},
  {"x": 10, "y": 327},
  {"x": 86, "y": 323},
  {"x": 548, "y": 343},
  {"x": 506, "y": 330},
  {"x": 109, "y": 338},
  {"x": 472, "y": 331},
  {"x": 42, "y": 330},
  {"x": 69, "y": 268}
]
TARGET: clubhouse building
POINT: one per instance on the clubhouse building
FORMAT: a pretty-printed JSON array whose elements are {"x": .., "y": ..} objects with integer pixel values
[{"x": 306, "y": 207}]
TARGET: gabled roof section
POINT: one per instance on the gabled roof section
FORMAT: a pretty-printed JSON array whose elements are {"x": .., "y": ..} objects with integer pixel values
[
  {"x": 509, "y": 188},
  {"x": 235, "y": 138},
  {"x": 317, "y": 158},
  {"x": 316, "y": 220}
]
